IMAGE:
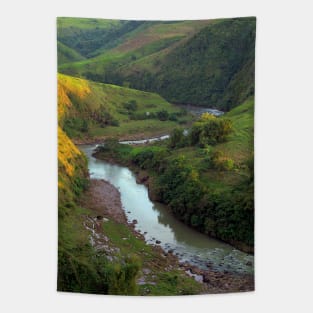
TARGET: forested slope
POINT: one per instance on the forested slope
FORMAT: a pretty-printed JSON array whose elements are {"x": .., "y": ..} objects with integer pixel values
[{"x": 208, "y": 63}]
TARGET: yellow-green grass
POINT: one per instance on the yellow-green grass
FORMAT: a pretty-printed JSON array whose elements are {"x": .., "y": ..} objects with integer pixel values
[
  {"x": 126, "y": 57},
  {"x": 79, "y": 97},
  {"x": 239, "y": 145},
  {"x": 85, "y": 23},
  {"x": 142, "y": 129}
]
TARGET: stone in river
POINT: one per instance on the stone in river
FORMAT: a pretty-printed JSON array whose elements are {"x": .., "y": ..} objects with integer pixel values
[{"x": 158, "y": 242}]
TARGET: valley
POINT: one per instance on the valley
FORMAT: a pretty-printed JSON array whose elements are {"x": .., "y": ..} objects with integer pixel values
[{"x": 156, "y": 156}]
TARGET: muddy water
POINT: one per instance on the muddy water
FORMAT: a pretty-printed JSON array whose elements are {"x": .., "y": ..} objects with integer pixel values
[{"x": 156, "y": 222}]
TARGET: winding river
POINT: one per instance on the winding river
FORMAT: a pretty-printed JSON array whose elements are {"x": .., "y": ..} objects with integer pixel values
[{"x": 155, "y": 222}]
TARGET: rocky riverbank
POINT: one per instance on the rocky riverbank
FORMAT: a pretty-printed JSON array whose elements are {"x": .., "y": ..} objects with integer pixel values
[{"x": 104, "y": 201}]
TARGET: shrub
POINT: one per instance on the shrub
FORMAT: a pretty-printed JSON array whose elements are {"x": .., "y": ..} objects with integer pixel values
[
  {"x": 149, "y": 158},
  {"x": 173, "y": 117},
  {"x": 177, "y": 139},
  {"x": 130, "y": 105},
  {"x": 122, "y": 277},
  {"x": 73, "y": 125},
  {"x": 162, "y": 115},
  {"x": 221, "y": 162},
  {"x": 210, "y": 130}
]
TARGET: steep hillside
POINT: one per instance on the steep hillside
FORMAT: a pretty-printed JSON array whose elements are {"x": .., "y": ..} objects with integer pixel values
[
  {"x": 95, "y": 110},
  {"x": 214, "y": 68},
  {"x": 123, "y": 43},
  {"x": 93, "y": 37},
  {"x": 86, "y": 36},
  {"x": 76, "y": 269},
  {"x": 208, "y": 63}
]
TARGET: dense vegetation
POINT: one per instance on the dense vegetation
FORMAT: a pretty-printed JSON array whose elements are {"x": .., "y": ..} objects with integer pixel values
[
  {"x": 66, "y": 54},
  {"x": 208, "y": 63},
  {"x": 81, "y": 268},
  {"x": 214, "y": 68},
  {"x": 88, "y": 36},
  {"x": 205, "y": 183}
]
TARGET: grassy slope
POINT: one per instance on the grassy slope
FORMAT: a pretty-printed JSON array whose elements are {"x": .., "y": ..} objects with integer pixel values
[
  {"x": 80, "y": 98},
  {"x": 85, "y": 35},
  {"x": 73, "y": 251},
  {"x": 67, "y": 55},
  {"x": 76, "y": 270},
  {"x": 201, "y": 62},
  {"x": 148, "y": 39},
  {"x": 75, "y": 23},
  {"x": 238, "y": 147}
]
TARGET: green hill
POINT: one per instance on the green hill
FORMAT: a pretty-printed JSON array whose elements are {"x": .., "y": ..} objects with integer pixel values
[
  {"x": 67, "y": 55},
  {"x": 119, "y": 43},
  {"x": 86, "y": 36},
  {"x": 90, "y": 110},
  {"x": 209, "y": 63}
]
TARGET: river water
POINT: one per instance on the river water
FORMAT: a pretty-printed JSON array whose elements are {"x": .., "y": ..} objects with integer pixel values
[{"x": 155, "y": 222}]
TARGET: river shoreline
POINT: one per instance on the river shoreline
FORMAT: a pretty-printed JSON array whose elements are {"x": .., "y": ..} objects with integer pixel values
[
  {"x": 104, "y": 200},
  {"x": 143, "y": 177}
]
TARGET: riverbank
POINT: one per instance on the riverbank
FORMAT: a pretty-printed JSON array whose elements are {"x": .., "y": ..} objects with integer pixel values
[
  {"x": 109, "y": 220},
  {"x": 147, "y": 178},
  {"x": 115, "y": 237}
]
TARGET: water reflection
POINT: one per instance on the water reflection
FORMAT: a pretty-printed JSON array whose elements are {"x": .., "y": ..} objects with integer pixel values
[{"x": 159, "y": 224}]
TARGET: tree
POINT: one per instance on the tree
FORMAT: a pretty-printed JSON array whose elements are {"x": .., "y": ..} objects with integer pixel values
[
  {"x": 177, "y": 138},
  {"x": 210, "y": 130}
]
